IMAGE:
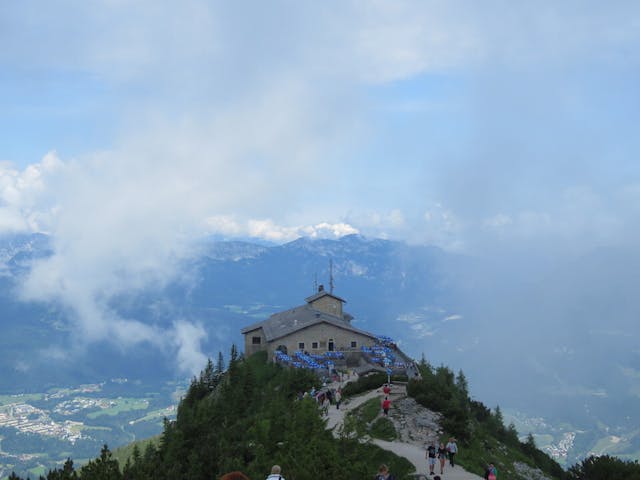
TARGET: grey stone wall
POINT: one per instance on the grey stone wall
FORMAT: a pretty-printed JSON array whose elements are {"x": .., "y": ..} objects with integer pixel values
[{"x": 322, "y": 334}]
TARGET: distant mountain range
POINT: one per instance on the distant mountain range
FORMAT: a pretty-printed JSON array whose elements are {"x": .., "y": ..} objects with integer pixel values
[{"x": 542, "y": 344}]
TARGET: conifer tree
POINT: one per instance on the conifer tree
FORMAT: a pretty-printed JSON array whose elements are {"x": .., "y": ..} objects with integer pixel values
[
  {"x": 103, "y": 468},
  {"x": 220, "y": 364}
]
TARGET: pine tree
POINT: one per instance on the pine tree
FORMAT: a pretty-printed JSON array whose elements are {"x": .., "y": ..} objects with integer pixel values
[
  {"x": 220, "y": 364},
  {"x": 103, "y": 468}
]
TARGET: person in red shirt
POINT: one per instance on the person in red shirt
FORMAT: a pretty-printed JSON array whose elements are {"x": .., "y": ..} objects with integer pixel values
[
  {"x": 386, "y": 389},
  {"x": 386, "y": 405}
]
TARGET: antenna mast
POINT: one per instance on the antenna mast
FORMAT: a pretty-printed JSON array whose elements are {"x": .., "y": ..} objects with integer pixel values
[
  {"x": 331, "y": 275},
  {"x": 315, "y": 282}
]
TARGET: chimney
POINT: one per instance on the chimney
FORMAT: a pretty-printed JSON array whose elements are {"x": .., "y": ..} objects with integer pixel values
[{"x": 320, "y": 288}]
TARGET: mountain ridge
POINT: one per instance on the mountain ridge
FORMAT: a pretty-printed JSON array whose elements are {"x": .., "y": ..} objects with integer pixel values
[{"x": 431, "y": 301}]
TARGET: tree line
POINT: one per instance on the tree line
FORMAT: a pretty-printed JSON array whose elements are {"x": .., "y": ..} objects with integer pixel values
[{"x": 248, "y": 417}]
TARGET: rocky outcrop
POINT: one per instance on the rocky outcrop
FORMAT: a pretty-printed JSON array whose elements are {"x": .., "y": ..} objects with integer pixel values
[
  {"x": 414, "y": 423},
  {"x": 525, "y": 471}
]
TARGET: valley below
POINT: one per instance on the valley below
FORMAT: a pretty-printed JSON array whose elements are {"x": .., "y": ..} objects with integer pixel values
[{"x": 39, "y": 431}]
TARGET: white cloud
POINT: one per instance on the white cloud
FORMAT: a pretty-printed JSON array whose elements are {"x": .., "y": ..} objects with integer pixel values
[
  {"x": 268, "y": 229},
  {"x": 410, "y": 318},
  {"x": 417, "y": 324},
  {"x": 187, "y": 339},
  {"x": 26, "y": 203}
]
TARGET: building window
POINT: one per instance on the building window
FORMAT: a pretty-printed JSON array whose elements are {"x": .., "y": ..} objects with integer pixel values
[
  {"x": 256, "y": 340},
  {"x": 314, "y": 345},
  {"x": 354, "y": 344},
  {"x": 301, "y": 346}
]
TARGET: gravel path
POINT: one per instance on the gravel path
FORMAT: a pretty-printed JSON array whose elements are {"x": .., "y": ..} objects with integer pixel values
[{"x": 414, "y": 453}]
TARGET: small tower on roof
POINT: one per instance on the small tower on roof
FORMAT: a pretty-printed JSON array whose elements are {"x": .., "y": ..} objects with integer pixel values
[{"x": 326, "y": 302}]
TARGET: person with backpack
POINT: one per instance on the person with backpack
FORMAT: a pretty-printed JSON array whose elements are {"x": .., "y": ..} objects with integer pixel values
[
  {"x": 275, "y": 473},
  {"x": 431, "y": 457}
]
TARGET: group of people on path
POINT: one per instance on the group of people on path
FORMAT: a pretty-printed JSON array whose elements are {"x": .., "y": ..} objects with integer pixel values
[
  {"x": 441, "y": 454},
  {"x": 324, "y": 397}
]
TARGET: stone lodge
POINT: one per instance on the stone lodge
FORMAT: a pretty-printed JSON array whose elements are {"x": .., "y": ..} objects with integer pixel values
[{"x": 319, "y": 326}]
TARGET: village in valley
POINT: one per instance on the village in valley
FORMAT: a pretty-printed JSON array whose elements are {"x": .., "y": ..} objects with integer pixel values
[{"x": 39, "y": 429}]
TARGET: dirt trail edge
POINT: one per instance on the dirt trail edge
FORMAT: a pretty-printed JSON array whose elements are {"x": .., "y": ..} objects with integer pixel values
[{"x": 413, "y": 452}]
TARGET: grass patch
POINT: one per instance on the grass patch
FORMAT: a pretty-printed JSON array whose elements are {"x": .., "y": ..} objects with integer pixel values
[
  {"x": 121, "y": 405},
  {"x": 156, "y": 415},
  {"x": 38, "y": 471},
  {"x": 374, "y": 455},
  {"x": 94, "y": 427},
  {"x": 21, "y": 398},
  {"x": 122, "y": 454},
  {"x": 383, "y": 429},
  {"x": 365, "y": 420}
]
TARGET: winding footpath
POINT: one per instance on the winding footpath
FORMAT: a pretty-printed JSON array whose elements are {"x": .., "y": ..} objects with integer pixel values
[{"x": 414, "y": 453}]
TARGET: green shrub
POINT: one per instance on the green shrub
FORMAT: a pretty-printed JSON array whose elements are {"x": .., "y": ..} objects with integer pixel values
[
  {"x": 383, "y": 429},
  {"x": 364, "y": 384}
]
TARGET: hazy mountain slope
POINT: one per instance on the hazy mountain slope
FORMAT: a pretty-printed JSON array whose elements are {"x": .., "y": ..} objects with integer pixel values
[{"x": 554, "y": 340}]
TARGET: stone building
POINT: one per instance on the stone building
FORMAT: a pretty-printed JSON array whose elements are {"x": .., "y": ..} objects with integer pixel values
[{"x": 319, "y": 326}]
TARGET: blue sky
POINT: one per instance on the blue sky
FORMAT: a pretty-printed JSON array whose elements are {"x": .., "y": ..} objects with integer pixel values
[{"x": 127, "y": 129}]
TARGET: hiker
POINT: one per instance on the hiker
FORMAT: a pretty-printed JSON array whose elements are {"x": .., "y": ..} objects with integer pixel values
[
  {"x": 452, "y": 448},
  {"x": 275, "y": 473},
  {"x": 386, "y": 389},
  {"x": 430, "y": 455},
  {"x": 386, "y": 405},
  {"x": 491, "y": 473},
  {"x": 442, "y": 456},
  {"x": 338, "y": 398},
  {"x": 383, "y": 473}
]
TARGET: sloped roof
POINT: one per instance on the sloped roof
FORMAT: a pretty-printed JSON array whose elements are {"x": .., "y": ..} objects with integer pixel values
[
  {"x": 323, "y": 293},
  {"x": 284, "y": 323}
]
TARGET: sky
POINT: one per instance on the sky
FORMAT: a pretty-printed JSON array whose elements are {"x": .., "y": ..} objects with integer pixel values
[{"x": 130, "y": 129}]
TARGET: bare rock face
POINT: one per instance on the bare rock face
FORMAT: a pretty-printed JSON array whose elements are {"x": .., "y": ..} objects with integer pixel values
[
  {"x": 414, "y": 423},
  {"x": 525, "y": 471}
]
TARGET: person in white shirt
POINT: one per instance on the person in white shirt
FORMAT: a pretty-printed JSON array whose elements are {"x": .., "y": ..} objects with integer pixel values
[
  {"x": 275, "y": 473},
  {"x": 452, "y": 448}
]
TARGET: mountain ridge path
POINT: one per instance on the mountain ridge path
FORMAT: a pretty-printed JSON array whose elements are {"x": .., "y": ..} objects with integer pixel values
[{"x": 413, "y": 452}]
